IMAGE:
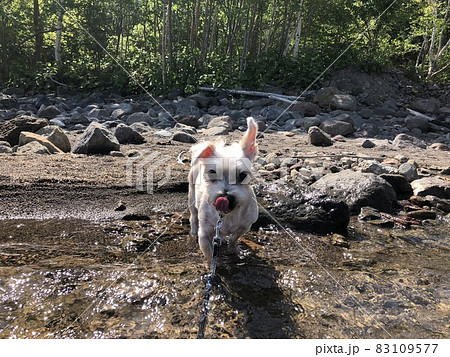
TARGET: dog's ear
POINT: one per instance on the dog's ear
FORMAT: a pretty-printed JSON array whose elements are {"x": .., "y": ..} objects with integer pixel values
[
  {"x": 248, "y": 142},
  {"x": 203, "y": 151}
]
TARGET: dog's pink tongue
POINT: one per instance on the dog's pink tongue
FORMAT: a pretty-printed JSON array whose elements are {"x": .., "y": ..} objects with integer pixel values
[{"x": 222, "y": 204}]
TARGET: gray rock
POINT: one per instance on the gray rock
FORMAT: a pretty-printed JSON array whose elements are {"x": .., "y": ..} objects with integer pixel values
[
  {"x": 202, "y": 99},
  {"x": 325, "y": 95},
  {"x": 317, "y": 137},
  {"x": 139, "y": 117},
  {"x": 96, "y": 140},
  {"x": 272, "y": 113},
  {"x": 439, "y": 146},
  {"x": 183, "y": 137},
  {"x": 366, "y": 113},
  {"x": 368, "y": 144},
  {"x": 417, "y": 122},
  {"x": 384, "y": 112},
  {"x": 358, "y": 189},
  {"x": 78, "y": 118},
  {"x": 8, "y": 102},
  {"x": 48, "y": 112},
  {"x": 127, "y": 135},
  {"x": 185, "y": 128},
  {"x": 409, "y": 171},
  {"x": 404, "y": 141},
  {"x": 222, "y": 121},
  {"x": 186, "y": 107},
  {"x": 344, "y": 102},
  {"x": 56, "y": 136},
  {"x": 27, "y": 137},
  {"x": 369, "y": 130},
  {"x": 98, "y": 113},
  {"x": 118, "y": 113},
  {"x": 165, "y": 134},
  {"x": 336, "y": 127},
  {"x": 306, "y": 108},
  {"x": 33, "y": 147},
  {"x": 248, "y": 104},
  {"x": 308, "y": 122},
  {"x": 426, "y": 105},
  {"x": 5, "y": 148},
  {"x": 216, "y": 130},
  {"x": 11, "y": 129},
  {"x": 117, "y": 154},
  {"x": 140, "y": 127},
  {"x": 374, "y": 167},
  {"x": 190, "y": 120},
  {"x": 434, "y": 186},
  {"x": 400, "y": 184},
  {"x": 57, "y": 122}
]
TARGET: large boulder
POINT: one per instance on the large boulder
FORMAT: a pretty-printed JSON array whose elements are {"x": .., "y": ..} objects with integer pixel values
[
  {"x": 96, "y": 139},
  {"x": 300, "y": 209},
  {"x": 127, "y": 135},
  {"x": 33, "y": 147},
  {"x": 433, "y": 185},
  {"x": 5, "y": 147},
  {"x": 8, "y": 102},
  {"x": 344, "y": 102},
  {"x": 357, "y": 189},
  {"x": 48, "y": 112},
  {"x": 11, "y": 129},
  {"x": 139, "y": 117},
  {"x": 27, "y": 137},
  {"x": 325, "y": 95},
  {"x": 426, "y": 105},
  {"x": 57, "y": 136},
  {"x": 404, "y": 141},
  {"x": 317, "y": 137},
  {"x": 336, "y": 127}
]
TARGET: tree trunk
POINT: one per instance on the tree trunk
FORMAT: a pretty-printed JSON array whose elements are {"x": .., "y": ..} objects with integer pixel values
[
  {"x": 163, "y": 45},
  {"x": 298, "y": 31},
  {"x": 59, "y": 35},
  {"x": 39, "y": 40}
]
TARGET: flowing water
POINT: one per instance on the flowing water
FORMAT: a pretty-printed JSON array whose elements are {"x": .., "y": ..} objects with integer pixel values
[{"x": 69, "y": 277}]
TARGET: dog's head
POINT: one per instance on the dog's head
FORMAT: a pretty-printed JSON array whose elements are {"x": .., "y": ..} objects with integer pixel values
[{"x": 225, "y": 171}]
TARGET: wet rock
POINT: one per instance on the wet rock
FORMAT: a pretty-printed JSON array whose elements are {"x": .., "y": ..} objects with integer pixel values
[
  {"x": 127, "y": 135},
  {"x": 431, "y": 201},
  {"x": 339, "y": 241},
  {"x": 369, "y": 214},
  {"x": 357, "y": 189},
  {"x": 426, "y": 105},
  {"x": 434, "y": 185},
  {"x": 344, "y": 102},
  {"x": 33, "y": 147},
  {"x": 302, "y": 210},
  {"x": 409, "y": 171},
  {"x": 96, "y": 140},
  {"x": 11, "y": 129},
  {"x": 421, "y": 214},
  {"x": 136, "y": 217},
  {"x": 183, "y": 137},
  {"x": 318, "y": 137},
  {"x": 325, "y": 95},
  {"x": 48, "y": 112},
  {"x": 336, "y": 127},
  {"x": 56, "y": 136},
  {"x": 27, "y": 137},
  {"x": 5, "y": 147},
  {"x": 404, "y": 141},
  {"x": 139, "y": 117}
]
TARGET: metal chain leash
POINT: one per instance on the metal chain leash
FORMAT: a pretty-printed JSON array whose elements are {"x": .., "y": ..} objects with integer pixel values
[{"x": 217, "y": 241}]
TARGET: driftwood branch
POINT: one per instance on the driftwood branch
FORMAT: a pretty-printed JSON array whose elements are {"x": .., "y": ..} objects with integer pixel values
[{"x": 283, "y": 98}]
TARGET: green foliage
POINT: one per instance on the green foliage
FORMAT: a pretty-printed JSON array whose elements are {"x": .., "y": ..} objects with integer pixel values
[{"x": 233, "y": 43}]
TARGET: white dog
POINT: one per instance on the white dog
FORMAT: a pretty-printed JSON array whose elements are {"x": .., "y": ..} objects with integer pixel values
[{"x": 219, "y": 183}]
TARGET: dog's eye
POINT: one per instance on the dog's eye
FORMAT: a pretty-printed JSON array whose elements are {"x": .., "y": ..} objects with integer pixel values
[
  {"x": 242, "y": 176},
  {"x": 212, "y": 175}
]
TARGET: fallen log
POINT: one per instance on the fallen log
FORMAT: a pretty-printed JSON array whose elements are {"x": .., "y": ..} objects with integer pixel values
[{"x": 284, "y": 98}]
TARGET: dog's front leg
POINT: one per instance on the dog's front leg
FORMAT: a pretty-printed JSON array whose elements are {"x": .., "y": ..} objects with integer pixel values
[
  {"x": 205, "y": 236},
  {"x": 233, "y": 243}
]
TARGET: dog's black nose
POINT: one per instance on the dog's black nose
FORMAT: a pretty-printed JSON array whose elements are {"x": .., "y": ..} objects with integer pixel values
[{"x": 231, "y": 199}]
